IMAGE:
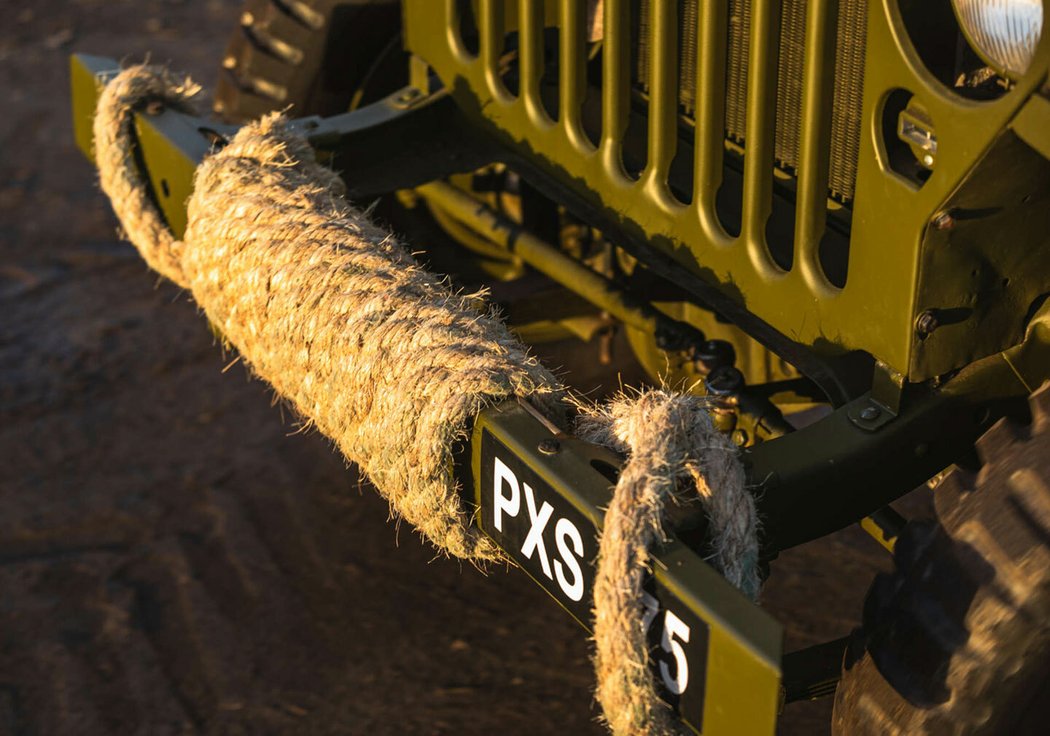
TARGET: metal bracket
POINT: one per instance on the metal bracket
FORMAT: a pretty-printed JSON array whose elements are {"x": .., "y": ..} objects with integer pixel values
[
  {"x": 883, "y": 403},
  {"x": 869, "y": 414},
  {"x": 541, "y": 497}
]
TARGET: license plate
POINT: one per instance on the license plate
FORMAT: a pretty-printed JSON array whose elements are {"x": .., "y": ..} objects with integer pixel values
[{"x": 544, "y": 508}]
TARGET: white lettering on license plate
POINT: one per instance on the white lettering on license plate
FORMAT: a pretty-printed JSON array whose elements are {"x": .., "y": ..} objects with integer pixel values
[
  {"x": 507, "y": 493},
  {"x": 517, "y": 513}
]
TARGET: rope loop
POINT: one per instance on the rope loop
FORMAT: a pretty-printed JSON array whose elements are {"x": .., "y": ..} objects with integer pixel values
[
  {"x": 673, "y": 451},
  {"x": 119, "y": 174}
]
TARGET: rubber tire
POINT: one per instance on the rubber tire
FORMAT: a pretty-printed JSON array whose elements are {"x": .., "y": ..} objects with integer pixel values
[
  {"x": 957, "y": 639},
  {"x": 310, "y": 56}
]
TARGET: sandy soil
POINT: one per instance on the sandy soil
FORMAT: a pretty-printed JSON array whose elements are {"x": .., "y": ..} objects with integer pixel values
[{"x": 174, "y": 556}]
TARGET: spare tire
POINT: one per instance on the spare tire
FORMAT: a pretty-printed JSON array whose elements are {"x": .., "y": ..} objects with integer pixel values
[{"x": 316, "y": 57}]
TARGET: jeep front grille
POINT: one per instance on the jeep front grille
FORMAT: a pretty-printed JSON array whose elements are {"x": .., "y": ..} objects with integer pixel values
[
  {"x": 847, "y": 71},
  {"x": 767, "y": 87}
]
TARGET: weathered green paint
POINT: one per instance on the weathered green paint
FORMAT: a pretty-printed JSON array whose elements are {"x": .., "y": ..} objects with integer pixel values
[{"x": 981, "y": 272}]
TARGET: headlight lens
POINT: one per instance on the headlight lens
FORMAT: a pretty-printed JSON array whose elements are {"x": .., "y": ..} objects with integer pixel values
[{"x": 1003, "y": 32}]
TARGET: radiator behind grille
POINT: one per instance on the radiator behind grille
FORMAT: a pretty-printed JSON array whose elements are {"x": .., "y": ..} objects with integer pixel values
[{"x": 848, "y": 74}]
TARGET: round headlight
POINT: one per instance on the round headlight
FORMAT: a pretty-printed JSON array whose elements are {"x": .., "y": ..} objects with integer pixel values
[{"x": 1003, "y": 32}]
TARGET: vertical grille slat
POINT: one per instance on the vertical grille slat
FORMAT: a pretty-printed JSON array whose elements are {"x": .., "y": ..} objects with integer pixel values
[
  {"x": 760, "y": 123},
  {"x": 572, "y": 82},
  {"x": 814, "y": 144},
  {"x": 773, "y": 89},
  {"x": 616, "y": 80},
  {"x": 490, "y": 28},
  {"x": 530, "y": 50},
  {"x": 848, "y": 64},
  {"x": 710, "y": 109},
  {"x": 663, "y": 88}
]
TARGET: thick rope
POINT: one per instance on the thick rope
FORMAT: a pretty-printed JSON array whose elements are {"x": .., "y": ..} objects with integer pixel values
[
  {"x": 671, "y": 445},
  {"x": 393, "y": 365},
  {"x": 385, "y": 359},
  {"x": 120, "y": 176}
]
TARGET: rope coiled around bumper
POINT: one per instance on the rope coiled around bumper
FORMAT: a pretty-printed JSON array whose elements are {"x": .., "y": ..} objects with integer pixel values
[
  {"x": 392, "y": 364},
  {"x": 381, "y": 356}
]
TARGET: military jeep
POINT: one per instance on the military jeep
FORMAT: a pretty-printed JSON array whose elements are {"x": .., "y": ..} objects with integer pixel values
[{"x": 830, "y": 217}]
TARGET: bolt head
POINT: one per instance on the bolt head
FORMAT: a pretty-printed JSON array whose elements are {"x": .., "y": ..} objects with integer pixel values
[
  {"x": 926, "y": 323},
  {"x": 724, "y": 380},
  {"x": 870, "y": 413},
  {"x": 549, "y": 446},
  {"x": 944, "y": 221},
  {"x": 715, "y": 354},
  {"x": 409, "y": 94}
]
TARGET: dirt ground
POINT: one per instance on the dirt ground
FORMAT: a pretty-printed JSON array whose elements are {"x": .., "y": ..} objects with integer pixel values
[{"x": 174, "y": 556}]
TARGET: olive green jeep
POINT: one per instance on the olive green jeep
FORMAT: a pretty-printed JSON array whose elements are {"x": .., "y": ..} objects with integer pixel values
[{"x": 830, "y": 217}]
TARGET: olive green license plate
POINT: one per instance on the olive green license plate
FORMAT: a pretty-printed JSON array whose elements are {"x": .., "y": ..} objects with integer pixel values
[{"x": 715, "y": 656}]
